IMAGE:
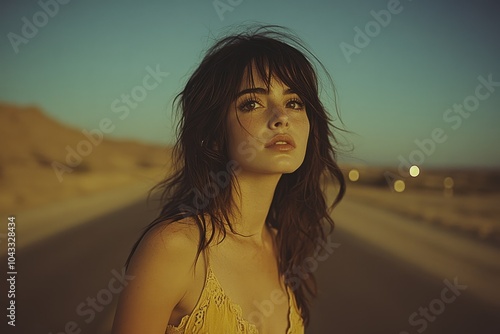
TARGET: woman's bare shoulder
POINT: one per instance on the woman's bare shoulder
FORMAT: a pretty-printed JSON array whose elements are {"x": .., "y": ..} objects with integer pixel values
[
  {"x": 179, "y": 238},
  {"x": 162, "y": 271},
  {"x": 164, "y": 260}
]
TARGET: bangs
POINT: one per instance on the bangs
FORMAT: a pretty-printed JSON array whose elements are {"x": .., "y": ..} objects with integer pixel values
[{"x": 275, "y": 59}]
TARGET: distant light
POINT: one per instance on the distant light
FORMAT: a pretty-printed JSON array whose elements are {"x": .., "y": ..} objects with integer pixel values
[
  {"x": 414, "y": 171},
  {"x": 354, "y": 175},
  {"x": 399, "y": 186},
  {"x": 448, "y": 182}
]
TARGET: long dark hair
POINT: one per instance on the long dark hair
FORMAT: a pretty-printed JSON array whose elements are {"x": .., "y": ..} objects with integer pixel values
[{"x": 203, "y": 179}]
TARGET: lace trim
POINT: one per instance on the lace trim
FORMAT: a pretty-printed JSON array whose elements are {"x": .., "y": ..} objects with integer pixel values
[
  {"x": 215, "y": 290},
  {"x": 235, "y": 308}
]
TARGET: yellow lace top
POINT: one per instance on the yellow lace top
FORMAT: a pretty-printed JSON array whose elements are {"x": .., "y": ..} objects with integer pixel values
[{"x": 214, "y": 313}]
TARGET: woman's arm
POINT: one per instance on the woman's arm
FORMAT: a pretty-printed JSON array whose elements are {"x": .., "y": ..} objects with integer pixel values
[{"x": 162, "y": 266}]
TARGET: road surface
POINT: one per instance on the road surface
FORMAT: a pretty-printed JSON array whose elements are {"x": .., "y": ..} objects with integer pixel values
[{"x": 387, "y": 274}]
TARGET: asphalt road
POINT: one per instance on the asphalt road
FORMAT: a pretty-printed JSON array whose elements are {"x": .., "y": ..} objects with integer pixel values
[
  {"x": 366, "y": 290},
  {"x": 415, "y": 279}
]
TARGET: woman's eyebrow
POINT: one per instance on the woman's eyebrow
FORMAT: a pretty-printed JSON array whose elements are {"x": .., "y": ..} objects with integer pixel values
[
  {"x": 256, "y": 90},
  {"x": 259, "y": 90}
]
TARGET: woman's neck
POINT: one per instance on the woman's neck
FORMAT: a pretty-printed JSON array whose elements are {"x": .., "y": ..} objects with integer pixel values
[{"x": 253, "y": 200}]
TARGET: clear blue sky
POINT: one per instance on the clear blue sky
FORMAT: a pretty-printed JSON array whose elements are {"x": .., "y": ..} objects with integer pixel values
[{"x": 393, "y": 91}]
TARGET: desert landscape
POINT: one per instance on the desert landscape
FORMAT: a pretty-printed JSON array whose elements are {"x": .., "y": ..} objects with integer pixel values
[
  {"x": 40, "y": 162},
  {"x": 39, "y": 166}
]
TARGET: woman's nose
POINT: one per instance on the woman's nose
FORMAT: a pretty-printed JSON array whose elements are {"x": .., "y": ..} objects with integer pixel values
[{"x": 279, "y": 118}]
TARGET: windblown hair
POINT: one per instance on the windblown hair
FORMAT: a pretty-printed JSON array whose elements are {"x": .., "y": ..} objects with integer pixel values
[{"x": 299, "y": 209}]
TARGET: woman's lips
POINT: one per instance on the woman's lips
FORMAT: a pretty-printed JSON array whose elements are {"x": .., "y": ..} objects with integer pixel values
[{"x": 281, "y": 142}]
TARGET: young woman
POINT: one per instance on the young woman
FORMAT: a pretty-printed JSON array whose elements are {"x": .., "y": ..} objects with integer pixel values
[{"x": 253, "y": 154}]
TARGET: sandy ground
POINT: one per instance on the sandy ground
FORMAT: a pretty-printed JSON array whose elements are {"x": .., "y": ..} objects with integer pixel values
[
  {"x": 473, "y": 213},
  {"x": 44, "y": 162}
]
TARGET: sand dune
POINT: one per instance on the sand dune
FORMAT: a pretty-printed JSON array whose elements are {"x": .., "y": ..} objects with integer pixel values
[{"x": 40, "y": 160}]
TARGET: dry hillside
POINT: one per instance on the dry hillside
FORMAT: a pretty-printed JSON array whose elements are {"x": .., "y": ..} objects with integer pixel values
[{"x": 36, "y": 168}]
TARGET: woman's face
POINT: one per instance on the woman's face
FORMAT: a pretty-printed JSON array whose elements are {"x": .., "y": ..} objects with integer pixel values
[{"x": 268, "y": 130}]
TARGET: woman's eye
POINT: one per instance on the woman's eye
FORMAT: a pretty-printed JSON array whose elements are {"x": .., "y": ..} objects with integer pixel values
[
  {"x": 248, "y": 105},
  {"x": 295, "y": 104},
  {"x": 252, "y": 104}
]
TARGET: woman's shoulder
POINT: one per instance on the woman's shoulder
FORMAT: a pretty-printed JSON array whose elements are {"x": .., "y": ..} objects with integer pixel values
[
  {"x": 166, "y": 248},
  {"x": 161, "y": 271},
  {"x": 179, "y": 237}
]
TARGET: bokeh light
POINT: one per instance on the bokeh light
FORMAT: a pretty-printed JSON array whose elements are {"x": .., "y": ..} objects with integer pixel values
[
  {"x": 399, "y": 186},
  {"x": 414, "y": 171},
  {"x": 448, "y": 182},
  {"x": 353, "y": 175}
]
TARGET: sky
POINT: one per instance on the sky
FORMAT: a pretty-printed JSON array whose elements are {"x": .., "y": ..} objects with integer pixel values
[{"x": 418, "y": 81}]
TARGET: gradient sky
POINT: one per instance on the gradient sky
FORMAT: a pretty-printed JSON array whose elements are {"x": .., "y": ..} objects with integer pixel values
[{"x": 395, "y": 90}]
